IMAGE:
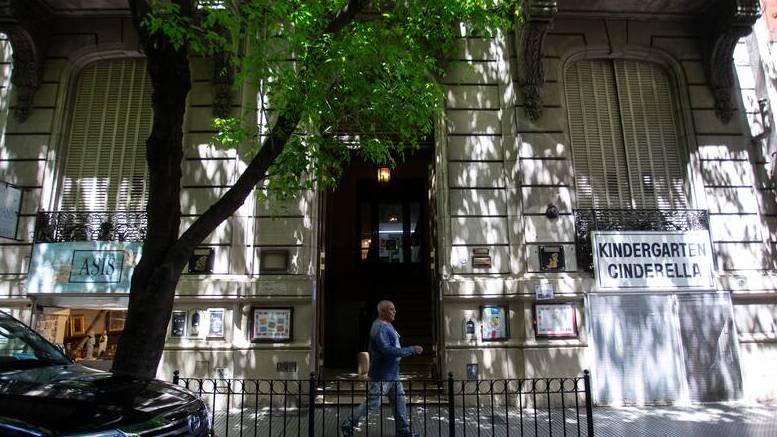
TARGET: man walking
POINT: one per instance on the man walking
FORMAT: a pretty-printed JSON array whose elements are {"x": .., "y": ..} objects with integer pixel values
[{"x": 385, "y": 353}]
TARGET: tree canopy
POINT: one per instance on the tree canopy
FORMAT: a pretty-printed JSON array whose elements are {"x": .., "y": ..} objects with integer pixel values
[
  {"x": 339, "y": 78},
  {"x": 362, "y": 76}
]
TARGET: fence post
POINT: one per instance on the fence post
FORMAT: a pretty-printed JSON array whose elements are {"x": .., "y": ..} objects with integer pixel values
[
  {"x": 312, "y": 405},
  {"x": 176, "y": 377},
  {"x": 589, "y": 412},
  {"x": 451, "y": 411}
]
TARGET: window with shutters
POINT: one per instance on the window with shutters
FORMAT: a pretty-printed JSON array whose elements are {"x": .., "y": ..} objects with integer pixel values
[
  {"x": 625, "y": 135},
  {"x": 105, "y": 167}
]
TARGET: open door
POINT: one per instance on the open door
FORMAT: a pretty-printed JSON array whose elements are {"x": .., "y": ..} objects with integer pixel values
[{"x": 378, "y": 246}]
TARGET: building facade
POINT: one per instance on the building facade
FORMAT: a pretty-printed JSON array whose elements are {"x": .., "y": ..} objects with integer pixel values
[{"x": 598, "y": 196}]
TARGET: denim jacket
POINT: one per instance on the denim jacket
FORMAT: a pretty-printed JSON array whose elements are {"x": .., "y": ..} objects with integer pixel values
[{"x": 385, "y": 352}]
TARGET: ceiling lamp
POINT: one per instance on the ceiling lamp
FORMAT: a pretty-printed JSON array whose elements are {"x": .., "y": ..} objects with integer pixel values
[{"x": 384, "y": 175}]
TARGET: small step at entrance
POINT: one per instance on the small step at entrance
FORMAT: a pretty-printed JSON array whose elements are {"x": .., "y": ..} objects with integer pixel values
[{"x": 341, "y": 387}]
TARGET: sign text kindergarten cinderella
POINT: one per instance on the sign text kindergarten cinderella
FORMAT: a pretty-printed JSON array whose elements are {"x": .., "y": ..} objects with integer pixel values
[{"x": 641, "y": 260}]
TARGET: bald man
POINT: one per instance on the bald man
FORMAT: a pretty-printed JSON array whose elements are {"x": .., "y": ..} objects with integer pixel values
[{"x": 385, "y": 353}]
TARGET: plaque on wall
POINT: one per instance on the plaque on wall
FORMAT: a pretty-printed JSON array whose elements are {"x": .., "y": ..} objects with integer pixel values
[
  {"x": 178, "y": 324},
  {"x": 201, "y": 260},
  {"x": 552, "y": 258}
]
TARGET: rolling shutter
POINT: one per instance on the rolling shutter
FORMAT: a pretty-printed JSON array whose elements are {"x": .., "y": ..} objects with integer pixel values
[
  {"x": 595, "y": 133},
  {"x": 651, "y": 135},
  {"x": 105, "y": 167},
  {"x": 624, "y": 135}
]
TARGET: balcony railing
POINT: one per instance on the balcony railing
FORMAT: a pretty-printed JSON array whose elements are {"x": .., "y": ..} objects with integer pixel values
[
  {"x": 587, "y": 220},
  {"x": 62, "y": 226}
]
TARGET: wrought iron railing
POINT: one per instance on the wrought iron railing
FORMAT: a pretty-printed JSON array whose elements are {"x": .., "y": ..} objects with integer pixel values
[
  {"x": 313, "y": 407},
  {"x": 587, "y": 220},
  {"x": 61, "y": 226}
]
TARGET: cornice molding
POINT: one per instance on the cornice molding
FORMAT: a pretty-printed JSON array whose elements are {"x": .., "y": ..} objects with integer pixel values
[
  {"x": 27, "y": 25},
  {"x": 538, "y": 18},
  {"x": 725, "y": 22}
]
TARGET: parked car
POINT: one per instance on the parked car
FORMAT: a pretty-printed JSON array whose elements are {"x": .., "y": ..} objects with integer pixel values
[{"x": 43, "y": 393}]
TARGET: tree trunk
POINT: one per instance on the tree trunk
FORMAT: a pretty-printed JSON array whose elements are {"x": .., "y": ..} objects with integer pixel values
[
  {"x": 155, "y": 278},
  {"x": 164, "y": 253}
]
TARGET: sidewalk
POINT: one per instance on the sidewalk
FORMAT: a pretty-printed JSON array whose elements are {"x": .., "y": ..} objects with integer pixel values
[{"x": 709, "y": 420}]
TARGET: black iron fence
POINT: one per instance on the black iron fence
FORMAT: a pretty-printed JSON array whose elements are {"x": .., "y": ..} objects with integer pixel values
[{"x": 316, "y": 407}]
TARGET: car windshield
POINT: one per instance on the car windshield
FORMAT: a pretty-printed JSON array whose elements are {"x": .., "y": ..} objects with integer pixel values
[{"x": 21, "y": 347}]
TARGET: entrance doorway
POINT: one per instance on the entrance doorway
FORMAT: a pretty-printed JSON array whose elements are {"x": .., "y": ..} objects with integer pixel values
[{"x": 378, "y": 241}]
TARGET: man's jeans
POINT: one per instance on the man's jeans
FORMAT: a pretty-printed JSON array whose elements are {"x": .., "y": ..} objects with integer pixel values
[{"x": 396, "y": 394}]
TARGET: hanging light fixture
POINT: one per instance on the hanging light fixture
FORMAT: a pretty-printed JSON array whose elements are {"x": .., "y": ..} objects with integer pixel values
[{"x": 384, "y": 175}]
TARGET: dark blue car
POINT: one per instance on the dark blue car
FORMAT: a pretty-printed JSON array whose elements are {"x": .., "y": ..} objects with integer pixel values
[{"x": 43, "y": 393}]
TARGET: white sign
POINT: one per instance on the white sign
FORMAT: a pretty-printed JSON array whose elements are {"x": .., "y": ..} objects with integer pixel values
[
  {"x": 544, "y": 291},
  {"x": 10, "y": 203},
  {"x": 642, "y": 260}
]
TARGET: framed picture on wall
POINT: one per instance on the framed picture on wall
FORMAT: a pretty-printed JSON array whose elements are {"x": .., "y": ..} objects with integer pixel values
[
  {"x": 555, "y": 320},
  {"x": 116, "y": 320},
  {"x": 494, "y": 322},
  {"x": 77, "y": 326},
  {"x": 272, "y": 324},
  {"x": 178, "y": 324},
  {"x": 216, "y": 322}
]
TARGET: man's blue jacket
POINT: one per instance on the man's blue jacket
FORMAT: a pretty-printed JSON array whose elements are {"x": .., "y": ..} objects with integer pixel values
[{"x": 385, "y": 352}]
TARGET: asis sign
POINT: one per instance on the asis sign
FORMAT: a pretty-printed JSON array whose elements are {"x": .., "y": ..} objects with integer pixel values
[
  {"x": 642, "y": 260},
  {"x": 82, "y": 267}
]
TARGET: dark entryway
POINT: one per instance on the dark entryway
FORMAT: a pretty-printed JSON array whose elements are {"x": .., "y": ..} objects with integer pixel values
[{"x": 377, "y": 239}]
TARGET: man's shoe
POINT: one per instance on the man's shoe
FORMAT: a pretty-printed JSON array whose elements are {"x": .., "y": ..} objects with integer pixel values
[
  {"x": 410, "y": 434},
  {"x": 346, "y": 430}
]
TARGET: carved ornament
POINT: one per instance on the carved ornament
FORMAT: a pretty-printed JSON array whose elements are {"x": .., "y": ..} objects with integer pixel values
[
  {"x": 538, "y": 19},
  {"x": 26, "y": 23},
  {"x": 725, "y": 22}
]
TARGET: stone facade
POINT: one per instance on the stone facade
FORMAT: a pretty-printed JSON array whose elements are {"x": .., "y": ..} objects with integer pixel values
[{"x": 503, "y": 155}]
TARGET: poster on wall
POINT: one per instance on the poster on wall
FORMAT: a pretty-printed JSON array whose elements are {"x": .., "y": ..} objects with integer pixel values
[
  {"x": 555, "y": 320},
  {"x": 216, "y": 322},
  {"x": 178, "y": 324},
  {"x": 272, "y": 324},
  {"x": 493, "y": 322},
  {"x": 10, "y": 206}
]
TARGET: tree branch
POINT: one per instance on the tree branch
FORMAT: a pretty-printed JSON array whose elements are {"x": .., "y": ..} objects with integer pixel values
[{"x": 256, "y": 171}]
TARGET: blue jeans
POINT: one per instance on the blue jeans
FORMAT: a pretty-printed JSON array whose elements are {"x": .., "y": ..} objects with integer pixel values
[{"x": 378, "y": 389}]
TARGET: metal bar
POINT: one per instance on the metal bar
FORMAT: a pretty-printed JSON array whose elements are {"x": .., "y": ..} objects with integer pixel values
[
  {"x": 229, "y": 401},
  {"x": 563, "y": 409},
  {"x": 507, "y": 405},
  {"x": 272, "y": 388},
  {"x": 256, "y": 406},
  {"x": 491, "y": 388},
  {"x": 451, "y": 406},
  {"x": 285, "y": 404},
  {"x": 588, "y": 403},
  {"x": 577, "y": 405},
  {"x": 242, "y": 404},
  {"x": 550, "y": 415}
]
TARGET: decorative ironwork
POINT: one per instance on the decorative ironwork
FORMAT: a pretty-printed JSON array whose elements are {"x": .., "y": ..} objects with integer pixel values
[
  {"x": 587, "y": 220},
  {"x": 56, "y": 227}
]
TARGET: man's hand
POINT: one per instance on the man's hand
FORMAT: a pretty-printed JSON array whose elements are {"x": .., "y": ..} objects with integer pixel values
[{"x": 418, "y": 350}]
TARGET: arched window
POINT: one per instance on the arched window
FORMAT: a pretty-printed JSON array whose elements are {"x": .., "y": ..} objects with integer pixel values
[
  {"x": 105, "y": 167},
  {"x": 625, "y": 135}
]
